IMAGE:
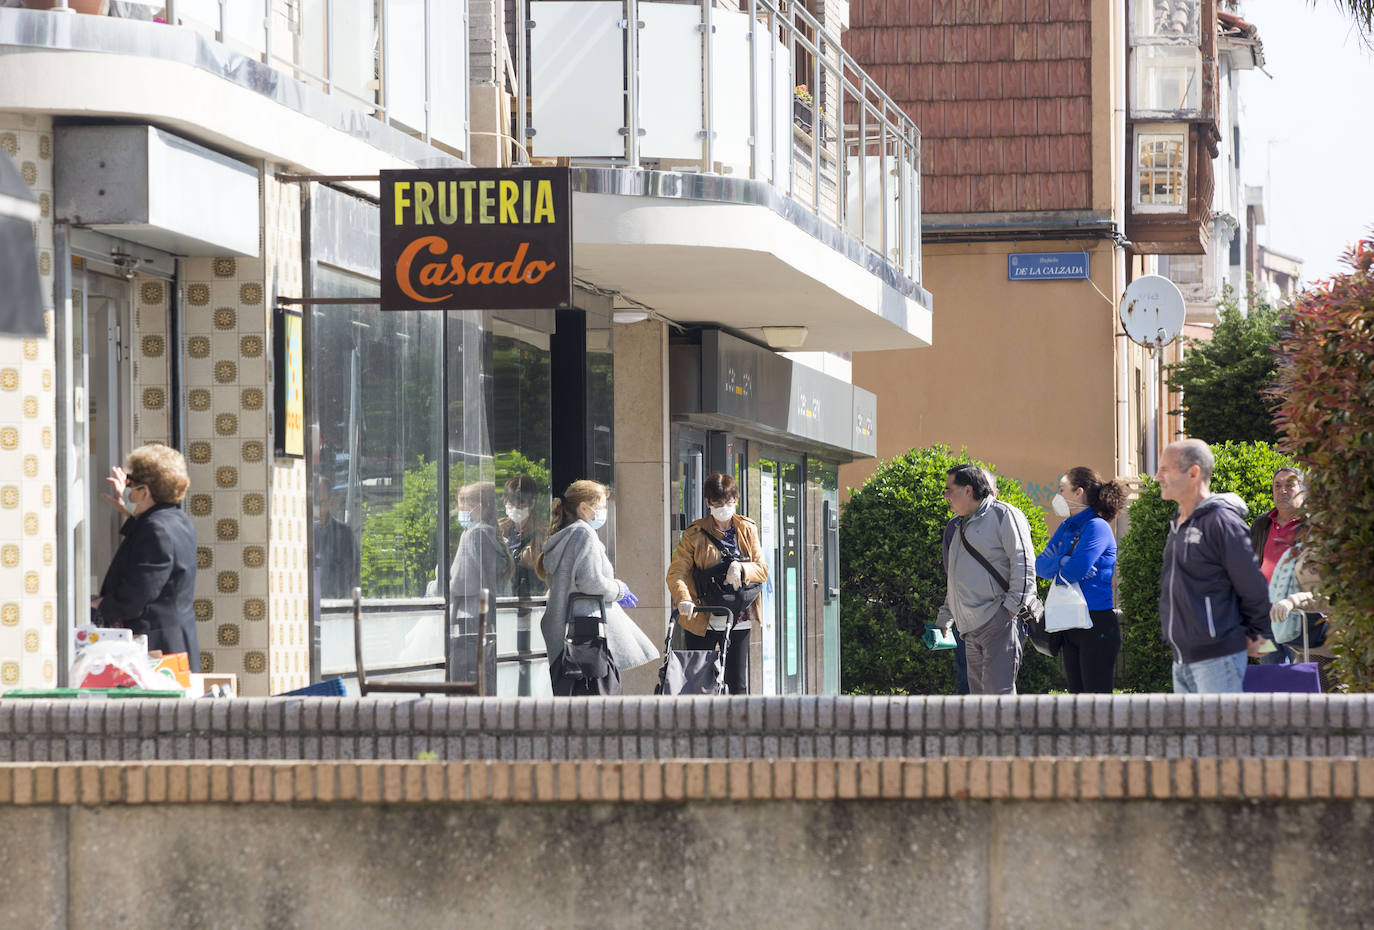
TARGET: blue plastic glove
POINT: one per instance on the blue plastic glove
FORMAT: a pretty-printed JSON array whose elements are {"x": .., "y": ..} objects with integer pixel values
[{"x": 629, "y": 600}]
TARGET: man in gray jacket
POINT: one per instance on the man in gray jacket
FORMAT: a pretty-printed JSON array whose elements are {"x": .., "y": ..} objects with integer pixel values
[{"x": 983, "y": 606}]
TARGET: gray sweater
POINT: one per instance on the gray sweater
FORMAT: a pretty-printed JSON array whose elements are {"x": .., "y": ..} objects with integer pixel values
[
  {"x": 576, "y": 562},
  {"x": 1001, "y": 535}
]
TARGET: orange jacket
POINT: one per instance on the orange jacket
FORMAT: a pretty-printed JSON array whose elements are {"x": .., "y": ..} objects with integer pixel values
[{"x": 696, "y": 550}]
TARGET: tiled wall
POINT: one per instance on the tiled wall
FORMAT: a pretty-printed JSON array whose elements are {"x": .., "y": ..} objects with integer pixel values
[
  {"x": 288, "y": 614},
  {"x": 225, "y": 334},
  {"x": 28, "y": 522},
  {"x": 151, "y": 351}
]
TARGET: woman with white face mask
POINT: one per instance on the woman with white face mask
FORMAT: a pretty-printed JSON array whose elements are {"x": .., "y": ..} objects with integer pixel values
[
  {"x": 575, "y": 563},
  {"x": 720, "y": 535},
  {"x": 1082, "y": 551},
  {"x": 523, "y": 534}
]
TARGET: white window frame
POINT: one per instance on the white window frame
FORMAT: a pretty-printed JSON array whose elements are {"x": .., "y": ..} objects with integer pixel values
[
  {"x": 1142, "y": 32},
  {"x": 1153, "y": 132}
]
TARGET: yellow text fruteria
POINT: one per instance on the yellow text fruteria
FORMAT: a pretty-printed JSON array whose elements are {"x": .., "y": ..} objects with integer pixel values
[{"x": 448, "y": 203}]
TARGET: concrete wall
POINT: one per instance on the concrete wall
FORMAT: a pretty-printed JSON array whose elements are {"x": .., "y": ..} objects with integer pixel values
[
  {"x": 896, "y": 863},
  {"x": 641, "y": 481}
]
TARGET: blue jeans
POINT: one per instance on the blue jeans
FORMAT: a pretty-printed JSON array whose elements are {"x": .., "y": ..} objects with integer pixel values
[{"x": 1223, "y": 675}]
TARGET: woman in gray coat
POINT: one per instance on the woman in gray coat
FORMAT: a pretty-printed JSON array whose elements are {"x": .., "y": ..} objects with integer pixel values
[{"x": 574, "y": 562}]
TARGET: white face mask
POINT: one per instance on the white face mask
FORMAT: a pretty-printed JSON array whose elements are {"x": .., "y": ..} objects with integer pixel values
[
  {"x": 465, "y": 518},
  {"x": 598, "y": 519},
  {"x": 1060, "y": 505},
  {"x": 723, "y": 512},
  {"x": 517, "y": 514}
]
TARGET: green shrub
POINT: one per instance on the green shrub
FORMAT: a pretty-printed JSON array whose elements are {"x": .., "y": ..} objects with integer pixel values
[
  {"x": 1326, "y": 416},
  {"x": 892, "y": 583},
  {"x": 1225, "y": 381},
  {"x": 1244, "y": 468}
]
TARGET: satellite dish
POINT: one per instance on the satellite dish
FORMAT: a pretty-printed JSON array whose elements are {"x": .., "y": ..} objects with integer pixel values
[{"x": 1152, "y": 311}]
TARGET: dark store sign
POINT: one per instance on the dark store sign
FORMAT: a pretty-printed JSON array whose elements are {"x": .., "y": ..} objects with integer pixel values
[{"x": 476, "y": 239}]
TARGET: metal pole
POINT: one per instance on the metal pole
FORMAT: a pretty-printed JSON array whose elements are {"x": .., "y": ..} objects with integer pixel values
[
  {"x": 384, "y": 92},
  {"x": 358, "y": 641},
  {"x": 429, "y": 92},
  {"x": 521, "y": 76},
  {"x": 882, "y": 181},
  {"x": 267, "y": 32},
  {"x": 329, "y": 46},
  {"x": 816, "y": 124},
  {"x": 445, "y": 501},
  {"x": 67, "y": 557},
  {"x": 863, "y": 163},
  {"x": 753, "y": 90},
  {"x": 219, "y": 36},
  {"x": 632, "y": 81},
  {"x": 708, "y": 87},
  {"x": 484, "y": 606}
]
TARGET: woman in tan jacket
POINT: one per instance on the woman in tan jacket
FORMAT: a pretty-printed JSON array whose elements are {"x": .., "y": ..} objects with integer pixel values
[{"x": 720, "y": 535}]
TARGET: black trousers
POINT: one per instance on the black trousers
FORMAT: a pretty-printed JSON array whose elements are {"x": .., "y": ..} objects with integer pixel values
[
  {"x": 736, "y": 659},
  {"x": 1090, "y": 655}
]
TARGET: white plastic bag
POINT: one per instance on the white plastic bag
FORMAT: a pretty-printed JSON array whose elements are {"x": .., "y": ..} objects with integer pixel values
[{"x": 1066, "y": 608}]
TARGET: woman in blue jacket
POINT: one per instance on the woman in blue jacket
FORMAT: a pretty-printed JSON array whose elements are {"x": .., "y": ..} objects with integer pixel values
[{"x": 1083, "y": 551}]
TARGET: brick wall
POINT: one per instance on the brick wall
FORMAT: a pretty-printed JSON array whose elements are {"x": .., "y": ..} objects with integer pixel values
[{"x": 1261, "y": 727}]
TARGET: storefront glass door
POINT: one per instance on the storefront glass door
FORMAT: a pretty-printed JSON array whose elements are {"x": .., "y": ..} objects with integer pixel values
[
  {"x": 781, "y": 534},
  {"x": 107, "y": 434}
]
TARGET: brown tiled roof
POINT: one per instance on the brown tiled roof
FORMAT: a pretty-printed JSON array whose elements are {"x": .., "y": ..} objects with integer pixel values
[{"x": 1000, "y": 91}]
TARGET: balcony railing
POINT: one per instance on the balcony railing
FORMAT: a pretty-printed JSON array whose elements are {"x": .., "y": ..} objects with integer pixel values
[
  {"x": 752, "y": 92},
  {"x": 406, "y": 61}
]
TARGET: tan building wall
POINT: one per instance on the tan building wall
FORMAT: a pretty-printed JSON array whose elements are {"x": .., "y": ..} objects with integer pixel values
[{"x": 1023, "y": 374}]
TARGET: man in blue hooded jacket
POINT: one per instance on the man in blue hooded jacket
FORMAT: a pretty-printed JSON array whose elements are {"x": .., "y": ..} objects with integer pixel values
[{"x": 1213, "y": 600}]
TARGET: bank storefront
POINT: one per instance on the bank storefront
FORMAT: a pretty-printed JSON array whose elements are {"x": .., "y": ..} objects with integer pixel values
[{"x": 781, "y": 429}]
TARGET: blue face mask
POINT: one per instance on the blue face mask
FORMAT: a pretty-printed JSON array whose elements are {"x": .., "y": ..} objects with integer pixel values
[
  {"x": 465, "y": 518},
  {"x": 598, "y": 519}
]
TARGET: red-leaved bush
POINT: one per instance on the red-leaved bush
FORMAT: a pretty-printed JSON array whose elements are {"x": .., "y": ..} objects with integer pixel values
[{"x": 1325, "y": 418}]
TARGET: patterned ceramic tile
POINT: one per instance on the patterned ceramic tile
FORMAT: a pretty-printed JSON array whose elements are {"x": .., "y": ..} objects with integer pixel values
[{"x": 28, "y": 581}]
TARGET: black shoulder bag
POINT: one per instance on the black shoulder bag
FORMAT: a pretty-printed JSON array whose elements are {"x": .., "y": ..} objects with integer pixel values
[
  {"x": 1032, "y": 613},
  {"x": 712, "y": 590}
]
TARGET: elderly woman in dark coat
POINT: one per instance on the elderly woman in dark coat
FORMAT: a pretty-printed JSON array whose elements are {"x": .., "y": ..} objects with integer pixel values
[{"x": 150, "y": 584}]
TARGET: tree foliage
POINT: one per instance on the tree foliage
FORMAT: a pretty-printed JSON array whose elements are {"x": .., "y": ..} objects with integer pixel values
[
  {"x": 892, "y": 582},
  {"x": 1224, "y": 381},
  {"x": 1243, "y": 468},
  {"x": 1326, "y": 415}
]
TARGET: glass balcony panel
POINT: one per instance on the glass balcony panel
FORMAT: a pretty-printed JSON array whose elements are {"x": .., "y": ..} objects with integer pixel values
[
  {"x": 670, "y": 69},
  {"x": 405, "y": 59},
  {"x": 773, "y": 103},
  {"x": 200, "y": 15},
  {"x": 729, "y": 105},
  {"x": 448, "y": 73},
  {"x": 577, "y": 78},
  {"x": 353, "y": 37},
  {"x": 312, "y": 39},
  {"x": 1166, "y": 79},
  {"x": 245, "y": 25},
  {"x": 1165, "y": 19}
]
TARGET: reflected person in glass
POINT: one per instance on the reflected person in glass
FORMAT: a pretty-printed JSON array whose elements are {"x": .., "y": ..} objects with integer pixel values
[
  {"x": 480, "y": 561},
  {"x": 523, "y": 535},
  {"x": 338, "y": 565}
]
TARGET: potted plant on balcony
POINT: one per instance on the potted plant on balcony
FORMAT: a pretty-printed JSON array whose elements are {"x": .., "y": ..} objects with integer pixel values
[{"x": 801, "y": 106}]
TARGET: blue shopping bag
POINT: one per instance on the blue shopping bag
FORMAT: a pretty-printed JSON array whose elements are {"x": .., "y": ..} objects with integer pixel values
[{"x": 1298, "y": 678}]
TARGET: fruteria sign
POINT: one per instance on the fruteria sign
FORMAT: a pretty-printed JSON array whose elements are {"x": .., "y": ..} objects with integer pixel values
[{"x": 476, "y": 239}]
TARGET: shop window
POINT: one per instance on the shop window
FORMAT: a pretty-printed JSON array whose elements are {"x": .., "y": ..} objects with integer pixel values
[
  {"x": 1161, "y": 171},
  {"x": 1165, "y": 20},
  {"x": 378, "y": 434},
  {"x": 1166, "y": 80}
]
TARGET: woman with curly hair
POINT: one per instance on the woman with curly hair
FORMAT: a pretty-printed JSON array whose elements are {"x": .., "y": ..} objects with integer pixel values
[{"x": 1082, "y": 551}]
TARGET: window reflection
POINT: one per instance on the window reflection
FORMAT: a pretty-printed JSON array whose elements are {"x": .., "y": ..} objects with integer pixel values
[{"x": 375, "y": 387}]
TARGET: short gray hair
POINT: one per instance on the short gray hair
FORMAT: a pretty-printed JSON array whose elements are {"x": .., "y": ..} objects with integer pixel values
[
  {"x": 1292, "y": 470},
  {"x": 1192, "y": 452}
]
